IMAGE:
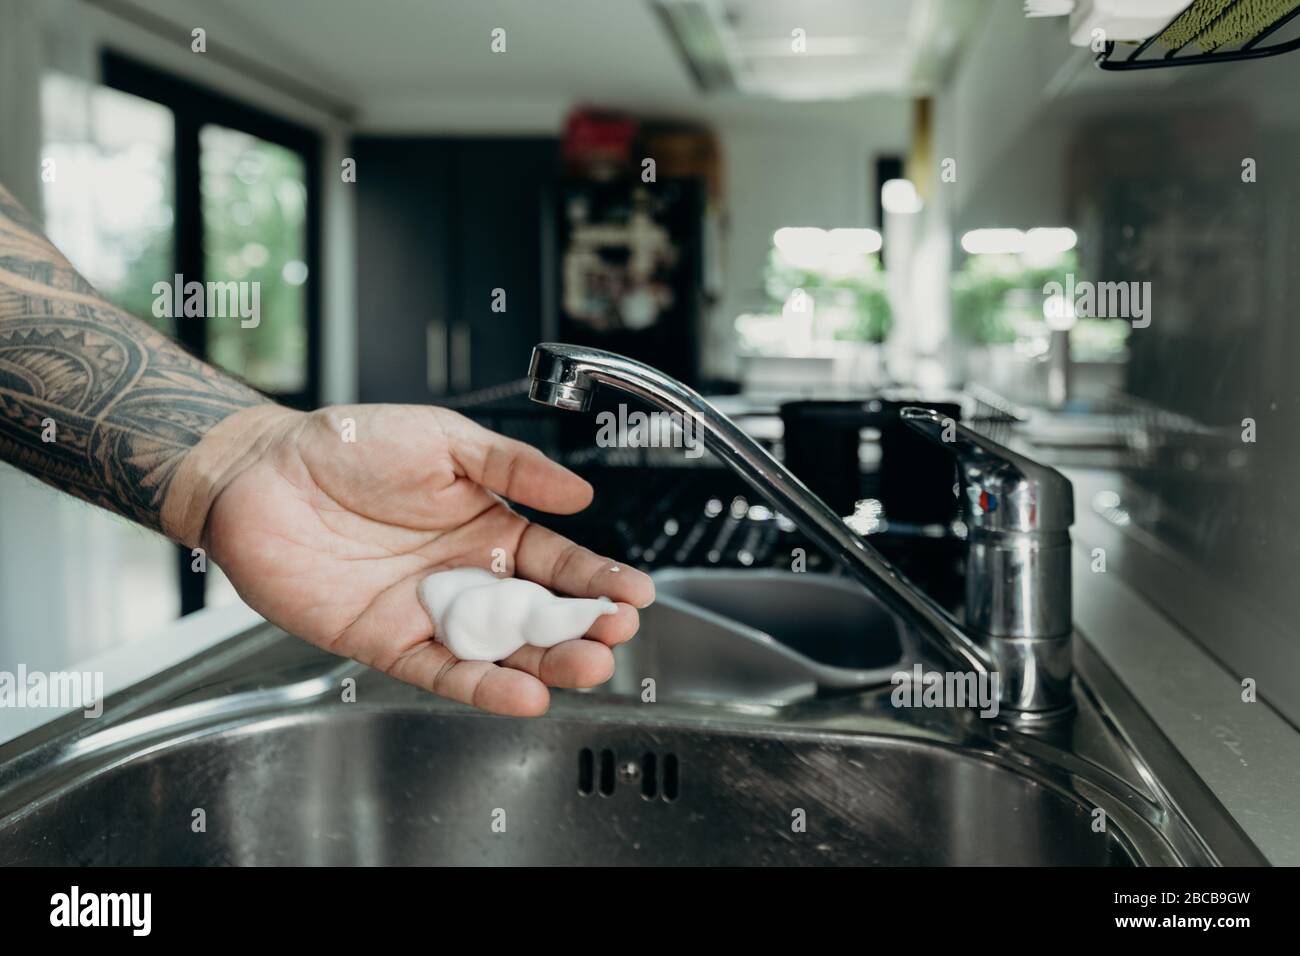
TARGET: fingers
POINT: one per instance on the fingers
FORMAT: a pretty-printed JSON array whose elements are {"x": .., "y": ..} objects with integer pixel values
[
  {"x": 555, "y": 562},
  {"x": 569, "y": 664},
  {"x": 516, "y": 471},
  {"x": 498, "y": 690},
  {"x": 611, "y": 629},
  {"x": 393, "y": 634},
  {"x": 517, "y": 688},
  {"x": 395, "y": 620}
]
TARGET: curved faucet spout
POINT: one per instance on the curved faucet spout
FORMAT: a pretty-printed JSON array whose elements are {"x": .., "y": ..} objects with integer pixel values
[{"x": 565, "y": 376}]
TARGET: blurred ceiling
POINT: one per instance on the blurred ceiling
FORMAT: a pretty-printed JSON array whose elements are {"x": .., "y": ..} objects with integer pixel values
[
  {"x": 626, "y": 52},
  {"x": 846, "y": 48}
]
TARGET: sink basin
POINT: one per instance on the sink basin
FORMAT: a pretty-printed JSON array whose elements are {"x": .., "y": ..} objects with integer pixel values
[
  {"x": 254, "y": 734},
  {"x": 760, "y": 636},
  {"x": 342, "y": 784}
]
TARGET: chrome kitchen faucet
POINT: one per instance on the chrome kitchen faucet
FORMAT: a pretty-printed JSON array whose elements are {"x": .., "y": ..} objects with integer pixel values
[{"x": 1018, "y": 612}]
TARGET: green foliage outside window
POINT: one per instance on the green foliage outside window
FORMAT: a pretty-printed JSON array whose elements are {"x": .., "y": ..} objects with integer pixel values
[
  {"x": 254, "y": 230},
  {"x": 859, "y": 296},
  {"x": 996, "y": 299}
]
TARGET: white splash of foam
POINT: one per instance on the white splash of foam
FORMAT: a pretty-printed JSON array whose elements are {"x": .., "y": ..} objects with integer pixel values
[{"x": 481, "y": 617}]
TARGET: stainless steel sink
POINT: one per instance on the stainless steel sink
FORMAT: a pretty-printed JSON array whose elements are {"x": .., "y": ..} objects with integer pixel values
[
  {"x": 256, "y": 737},
  {"x": 350, "y": 785}
]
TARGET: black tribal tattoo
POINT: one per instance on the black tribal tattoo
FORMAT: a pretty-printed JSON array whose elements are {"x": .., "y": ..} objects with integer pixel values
[{"x": 92, "y": 400}]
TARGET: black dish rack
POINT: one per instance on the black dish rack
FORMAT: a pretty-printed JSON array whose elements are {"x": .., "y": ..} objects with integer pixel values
[{"x": 1252, "y": 49}]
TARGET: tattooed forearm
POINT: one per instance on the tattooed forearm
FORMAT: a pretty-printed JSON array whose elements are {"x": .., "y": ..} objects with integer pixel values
[{"x": 92, "y": 400}]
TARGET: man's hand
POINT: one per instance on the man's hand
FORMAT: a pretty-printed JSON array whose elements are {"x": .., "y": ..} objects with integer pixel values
[
  {"x": 327, "y": 537},
  {"x": 326, "y": 523}
]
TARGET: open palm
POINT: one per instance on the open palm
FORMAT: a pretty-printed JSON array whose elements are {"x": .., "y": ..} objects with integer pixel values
[{"x": 342, "y": 512}]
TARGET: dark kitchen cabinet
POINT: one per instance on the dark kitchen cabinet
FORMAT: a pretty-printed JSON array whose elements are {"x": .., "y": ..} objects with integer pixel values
[{"x": 446, "y": 228}]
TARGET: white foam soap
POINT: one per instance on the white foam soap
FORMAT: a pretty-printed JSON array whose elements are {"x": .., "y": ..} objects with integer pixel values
[{"x": 481, "y": 617}]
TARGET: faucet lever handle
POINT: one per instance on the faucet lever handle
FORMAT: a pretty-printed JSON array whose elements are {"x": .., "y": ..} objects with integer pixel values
[{"x": 1007, "y": 491}]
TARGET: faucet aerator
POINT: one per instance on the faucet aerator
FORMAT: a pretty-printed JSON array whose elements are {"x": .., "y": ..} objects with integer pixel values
[
  {"x": 559, "y": 378},
  {"x": 568, "y": 397}
]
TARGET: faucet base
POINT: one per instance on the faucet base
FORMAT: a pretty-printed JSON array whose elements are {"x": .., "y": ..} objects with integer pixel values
[{"x": 1035, "y": 673}]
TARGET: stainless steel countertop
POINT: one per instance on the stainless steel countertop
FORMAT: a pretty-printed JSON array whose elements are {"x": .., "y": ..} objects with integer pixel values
[{"x": 1246, "y": 753}]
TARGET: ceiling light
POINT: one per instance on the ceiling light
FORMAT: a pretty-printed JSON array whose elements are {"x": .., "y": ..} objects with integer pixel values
[
  {"x": 899, "y": 196},
  {"x": 1050, "y": 242},
  {"x": 808, "y": 247},
  {"x": 993, "y": 242},
  {"x": 854, "y": 241}
]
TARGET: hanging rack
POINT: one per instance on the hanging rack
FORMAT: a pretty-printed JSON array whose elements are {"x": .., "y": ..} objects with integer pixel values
[{"x": 1108, "y": 58}]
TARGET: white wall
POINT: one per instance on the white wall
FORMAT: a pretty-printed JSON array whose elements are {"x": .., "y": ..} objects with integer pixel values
[
  {"x": 793, "y": 171},
  {"x": 1006, "y": 77}
]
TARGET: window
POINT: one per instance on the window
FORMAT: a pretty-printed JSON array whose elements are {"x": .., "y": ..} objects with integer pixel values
[
  {"x": 120, "y": 238},
  {"x": 148, "y": 177},
  {"x": 825, "y": 288},
  {"x": 254, "y": 230},
  {"x": 247, "y": 212}
]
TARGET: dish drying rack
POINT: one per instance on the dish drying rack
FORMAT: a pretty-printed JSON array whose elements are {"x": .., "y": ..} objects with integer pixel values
[{"x": 1142, "y": 57}]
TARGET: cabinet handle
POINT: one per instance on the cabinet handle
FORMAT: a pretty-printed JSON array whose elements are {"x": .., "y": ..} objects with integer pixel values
[
  {"x": 435, "y": 356},
  {"x": 461, "y": 339}
]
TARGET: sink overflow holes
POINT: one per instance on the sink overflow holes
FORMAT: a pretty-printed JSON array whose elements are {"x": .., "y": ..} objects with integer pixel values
[{"x": 601, "y": 772}]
